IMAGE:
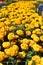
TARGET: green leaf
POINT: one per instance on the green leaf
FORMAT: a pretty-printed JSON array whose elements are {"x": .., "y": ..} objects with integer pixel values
[
  {"x": 34, "y": 52},
  {"x": 16, "y": 63},
  {"x": 29, "y": 56},
  {"x": 20, "y": 28},
  {"x": 1, "y": 5},
  {"x": 11, "y": 58},
  {"x": 30, "y": 52}
]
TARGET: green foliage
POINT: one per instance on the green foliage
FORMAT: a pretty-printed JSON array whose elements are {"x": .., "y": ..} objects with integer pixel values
[{"x": 1, "y": 5}]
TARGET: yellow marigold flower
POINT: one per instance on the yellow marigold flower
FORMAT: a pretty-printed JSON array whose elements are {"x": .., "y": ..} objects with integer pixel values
[
  {"x": 2, "y": 19},
  {"x": 7, "y": 22},
  {"x": 11, "y": 28},
  {"x": 41, "y": 62},
  {"x": 7, "y": 51},
  {"x": 24, "y": 46},
  {"x": 17, "y": 22},
  {"x": 1, "y": 35},
  {"x": 24, "y": 21},
  {"x": 1, "y": 24},
  {"x": 16, "y": 36},
  {"x": 36, "y": 58},
  {"x": 12, "y": 51},
  {"x": 15, "y": 47},
  {"x": 31, "y": 26},
  {"x": 10, "y": 17},
  {"x": 22, "y": 54},
  {"x": 40, "y": 20},
  {"x": 1, "y": 64},
  {"x": 1, "y": 56},
  {"x": 37, "y": 31},
  {"x": 41, "y": 38},
  {"x": 28, "y": 33},
  {"x": 41, "y": 27},
  {"x": 26, "y": 25},
  {"x": 36, "y": 23},
  {"x": 7, "y": 28},
  {"x": 3, "y": 30},
  {"x": 20, "y": 32},
  {"x": 30, "y": 62},
  {"x": 6, "y": 44},
  {"x": 10, "y": 36},
  {"x": 31, "y": 42},
  {"x": 37, "y": 63},
  {"x": 25, "y": 41},
  {"x": 36, "y": 47},
  {"x": 35, "y": 37}
]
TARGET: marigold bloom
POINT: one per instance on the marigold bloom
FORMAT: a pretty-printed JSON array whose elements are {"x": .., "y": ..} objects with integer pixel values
[
  {"x": 24, "y": 46},
  {"x": 10, "y": 36},
  {"x": 22, "y": 54},
  {"x": 6, "y": 44}
]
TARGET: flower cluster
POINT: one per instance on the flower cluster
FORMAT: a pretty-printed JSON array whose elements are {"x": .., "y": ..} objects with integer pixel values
[
  {"x": 21, "y": 32},
  {"x": 36, "y": 60}
]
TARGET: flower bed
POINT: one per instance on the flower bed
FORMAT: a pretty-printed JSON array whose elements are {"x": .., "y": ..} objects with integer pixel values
[{"x": 21, "y": 34}]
